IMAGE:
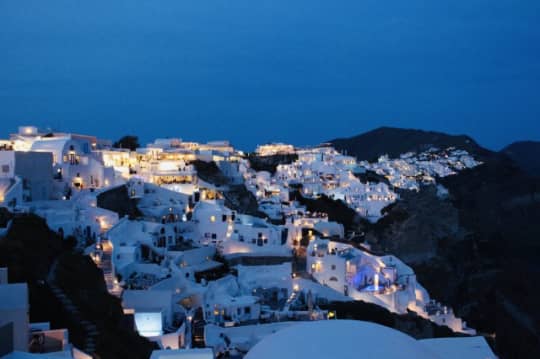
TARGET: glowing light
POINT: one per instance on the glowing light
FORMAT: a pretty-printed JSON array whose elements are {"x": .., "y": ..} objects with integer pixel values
[
  {"x": 296, "y": 287},
  {"x": 167, "y": 166},
  {"x": 149, "y": 324},
  {"x": 212, "y": 219}
]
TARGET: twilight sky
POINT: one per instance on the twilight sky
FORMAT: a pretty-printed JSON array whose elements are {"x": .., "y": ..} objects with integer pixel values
[{"x": 254, "y": 71}]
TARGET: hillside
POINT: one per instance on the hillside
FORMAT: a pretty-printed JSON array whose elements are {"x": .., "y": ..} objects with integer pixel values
[
  {"x": 236, "y": 196},
  {"x": 395, "y": 141},
  {"x": 38, "y": 256},
  {"x": 526, "y": 154},
  {"x": 118, "y": 200},
  {"x": 476, "y": 250}
]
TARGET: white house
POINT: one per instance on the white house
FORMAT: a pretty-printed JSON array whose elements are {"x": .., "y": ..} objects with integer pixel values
[
  {"x": 33, "y": 168},
  {"x": 74, "y": 162},
  {"x": 385, "y": 281},
  {"x": 153, "y": 310},
  {"x": 225, "y": 303}
]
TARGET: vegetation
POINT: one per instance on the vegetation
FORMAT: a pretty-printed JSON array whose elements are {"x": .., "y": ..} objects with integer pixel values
[
  {"x": 270, "y": 163},
  {"x": 34, "y": 254},
  {"x": 337, "y": 210},
  {"x": 210, "y": 172},
  {"x": 117, "y": 200},
  {"x": 129, "y": 142},
  {"x": 236, "y": 196}
]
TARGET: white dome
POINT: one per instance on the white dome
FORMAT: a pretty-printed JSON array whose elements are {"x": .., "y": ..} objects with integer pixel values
[{"x": 340, "y": 339}]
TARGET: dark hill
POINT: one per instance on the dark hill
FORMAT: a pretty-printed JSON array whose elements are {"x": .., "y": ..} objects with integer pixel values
[
  {"x": 395, "y": 141},
  {"x": 38, "y": 256},
  {"x": 237, "y": 196},
  {"x": 478, "y": 250},
  {"x": 118, "y": 200},
  {"x": 526, "y": 154},
  {"x": 270, "y": 163}
]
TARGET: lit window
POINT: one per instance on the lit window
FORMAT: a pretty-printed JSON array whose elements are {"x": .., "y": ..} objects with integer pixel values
[{"x": 212, "y": 218}]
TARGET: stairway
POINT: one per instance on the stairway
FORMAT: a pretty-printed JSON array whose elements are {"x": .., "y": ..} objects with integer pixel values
[
  {"x": 91, "y": 333},
  {"x": 105, "y": 264}
]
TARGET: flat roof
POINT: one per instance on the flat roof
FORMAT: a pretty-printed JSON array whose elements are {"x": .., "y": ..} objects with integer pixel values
[{"x": 203, "y": 353}]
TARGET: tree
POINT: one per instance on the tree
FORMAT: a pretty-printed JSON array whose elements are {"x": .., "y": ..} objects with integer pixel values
[{"x": 129, "y": 142}]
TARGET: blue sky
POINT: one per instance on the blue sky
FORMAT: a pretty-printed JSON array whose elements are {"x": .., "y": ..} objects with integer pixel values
[{"x": 300, "y": 71}]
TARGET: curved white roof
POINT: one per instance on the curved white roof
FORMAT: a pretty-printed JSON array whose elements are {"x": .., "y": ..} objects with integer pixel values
[
  {"x": 344, "y": 339},
  {"x": 54, "y": 145}
]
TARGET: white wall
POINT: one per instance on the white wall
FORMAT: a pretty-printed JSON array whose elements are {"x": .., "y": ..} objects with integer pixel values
[
  {"x": 7, "y": 164},
  {"x": 15, "y": 310}
]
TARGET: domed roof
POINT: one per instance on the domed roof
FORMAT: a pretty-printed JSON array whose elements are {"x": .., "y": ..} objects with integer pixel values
[{"x": 341, "y": 339}]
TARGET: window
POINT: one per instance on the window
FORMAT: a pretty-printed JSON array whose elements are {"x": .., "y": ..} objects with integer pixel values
[
  {"x": 333, "y": 267},
  {"x": 333, "y": 279},
  {"x": 214, "y": 236},
  {"x": 212, "y": 218},
  {"x": 5, "y": 168},
  {"x": 247, "y": 310}
]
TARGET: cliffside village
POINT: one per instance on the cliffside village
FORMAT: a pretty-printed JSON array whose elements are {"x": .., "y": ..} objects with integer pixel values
[{"x": 201, "y": 277}]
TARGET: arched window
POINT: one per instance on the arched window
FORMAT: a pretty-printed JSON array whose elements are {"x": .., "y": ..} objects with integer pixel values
[{"x": 333, "y": 279}]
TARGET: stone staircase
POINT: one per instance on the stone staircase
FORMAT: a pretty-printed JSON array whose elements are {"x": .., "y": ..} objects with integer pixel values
[
  {"x": 90, "y": 330},
  {"x": 105, "y": 264}
]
